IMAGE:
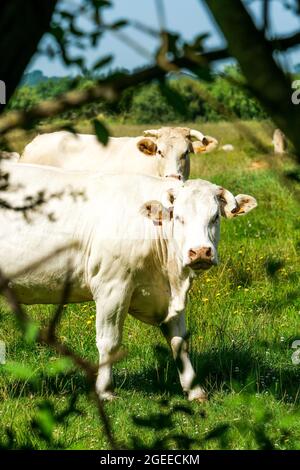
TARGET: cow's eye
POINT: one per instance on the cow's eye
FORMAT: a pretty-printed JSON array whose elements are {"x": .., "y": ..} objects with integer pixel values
[{"x": 179, "y": 219}]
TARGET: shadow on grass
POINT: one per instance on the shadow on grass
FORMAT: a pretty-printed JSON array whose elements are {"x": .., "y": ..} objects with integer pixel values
[
  {"x": 220, "y": 370},
  {"x": 223, "y": 370}
]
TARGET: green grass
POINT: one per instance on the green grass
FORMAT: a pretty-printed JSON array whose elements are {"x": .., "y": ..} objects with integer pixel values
[{"x": 242, "y": 317}]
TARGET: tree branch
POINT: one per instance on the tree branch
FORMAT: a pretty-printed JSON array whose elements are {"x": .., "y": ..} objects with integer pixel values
[{"x": 107, "y": 90}]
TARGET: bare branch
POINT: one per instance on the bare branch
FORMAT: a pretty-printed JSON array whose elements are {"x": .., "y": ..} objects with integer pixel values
[
  {"x": 286, "y": 42},
  {"x": 161, "y": 14}
]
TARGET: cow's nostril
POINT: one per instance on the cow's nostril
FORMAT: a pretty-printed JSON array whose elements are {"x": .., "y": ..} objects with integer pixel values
[
  {"x": 204, "y": 254},
  {"x": 208, "y": 252}
]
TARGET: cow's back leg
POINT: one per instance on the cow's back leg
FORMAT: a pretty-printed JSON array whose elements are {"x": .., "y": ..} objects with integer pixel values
[
  {"x": 175, "y": 333},
  {"x": 111, "y": 308}
]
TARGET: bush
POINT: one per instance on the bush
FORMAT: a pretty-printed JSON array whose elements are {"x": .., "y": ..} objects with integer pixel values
[{"x": 148, "y": 104}]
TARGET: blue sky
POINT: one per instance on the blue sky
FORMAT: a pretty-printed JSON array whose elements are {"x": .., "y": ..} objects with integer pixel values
[{"x": 188, "y": 17}]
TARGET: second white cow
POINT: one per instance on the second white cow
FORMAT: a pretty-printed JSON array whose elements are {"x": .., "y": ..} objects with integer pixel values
[
  {"x": 140, "y": 241},
  {"x": 162, "y": 152}
]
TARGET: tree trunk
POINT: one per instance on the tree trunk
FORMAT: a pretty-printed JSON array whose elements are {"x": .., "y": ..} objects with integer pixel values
[
  {"x": 22, "y": 25},
  {"x": 255, "y": 56}
]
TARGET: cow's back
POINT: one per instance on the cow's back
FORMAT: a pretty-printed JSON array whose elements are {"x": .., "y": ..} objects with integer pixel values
[
  {"x": 90, "y": 224},
  {"x": 40, "y": 211},
  {"x": 83, "y": 152}
]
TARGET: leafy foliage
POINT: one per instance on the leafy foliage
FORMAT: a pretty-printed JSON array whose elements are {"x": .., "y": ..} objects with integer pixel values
[{"x": 171, "y": 101}]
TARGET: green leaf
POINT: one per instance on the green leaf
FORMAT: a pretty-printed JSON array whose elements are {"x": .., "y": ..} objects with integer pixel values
[
  {"x": 101, "y": 3},
  {"x": 45, "y": 421},
  {"x": 101, "y": 131},
  {"x": 57, "y": 32},
  {"x": 198, "y": 41},
  {"x": 66, "y": 14},
  {"x": 102, "y": 62},
  {"x": 31, "y": 332},
  {"x": 118, "y": 24},
  {"x": 20, "y": 371},
  {"x": 58, "y": 366}
]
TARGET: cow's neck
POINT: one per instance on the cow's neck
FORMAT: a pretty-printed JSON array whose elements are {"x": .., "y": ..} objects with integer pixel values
[{"x": 178, "y": 277}]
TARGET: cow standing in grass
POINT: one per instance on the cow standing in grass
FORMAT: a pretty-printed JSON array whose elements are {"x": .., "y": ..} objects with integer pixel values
[
  {"x": 160, "y": 152},
  {"x": 140, "y": 241}
]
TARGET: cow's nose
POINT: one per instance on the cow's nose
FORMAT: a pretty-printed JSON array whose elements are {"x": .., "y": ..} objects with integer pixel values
[
  {"x": 177, "y": 177},
  {"x": 203, "y": 253}
]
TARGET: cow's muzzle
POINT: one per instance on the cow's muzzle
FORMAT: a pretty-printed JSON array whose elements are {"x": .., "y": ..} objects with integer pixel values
[{"x": 201, "y": 258}]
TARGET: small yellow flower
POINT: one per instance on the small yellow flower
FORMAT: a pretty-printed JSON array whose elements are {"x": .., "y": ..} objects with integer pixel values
[
  {"x": 239, "y": 287},
  {"x": 246, "y": 290},
  {"x": 89, "y": 322},
  {"x": 240, "y": 252},
  {"x": 205, "y": 299},
  {"x": 218, "y": 294}
]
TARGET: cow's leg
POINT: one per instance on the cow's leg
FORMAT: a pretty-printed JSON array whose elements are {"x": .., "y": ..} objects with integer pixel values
[
  {"x": 111, "y": 311},
  {"x": 175, "y": 332}
]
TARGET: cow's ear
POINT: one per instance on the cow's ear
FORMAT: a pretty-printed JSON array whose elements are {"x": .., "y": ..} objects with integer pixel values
[
  {"x": 198, "y": 147},
  {"x": 147, "y": 146},
  {"x": 207, "y": 144},
  {"x": 234, "y": 206},
  {"x": 154, "y": 210},
  {"x": 245, "y": 204},
  {"x": 227, "y": 201}
]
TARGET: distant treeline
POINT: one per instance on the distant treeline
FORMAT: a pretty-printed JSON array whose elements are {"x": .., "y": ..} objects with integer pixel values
[{"x": 182, "y": 98}]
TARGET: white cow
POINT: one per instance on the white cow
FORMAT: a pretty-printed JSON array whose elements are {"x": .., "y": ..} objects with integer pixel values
[
  {"x": 140, "y": 242},
  {"x": 162, "y": 152}
]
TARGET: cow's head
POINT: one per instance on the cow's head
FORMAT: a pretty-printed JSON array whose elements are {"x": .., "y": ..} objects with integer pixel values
[
  {"x": 195, "y": 209},
  {"x": 171, "y": 146}
]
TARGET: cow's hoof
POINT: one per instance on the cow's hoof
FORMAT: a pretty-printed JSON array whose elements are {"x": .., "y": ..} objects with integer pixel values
[
  {"x": 197, "y": 394},
  {"x": 107, "y": 396}
]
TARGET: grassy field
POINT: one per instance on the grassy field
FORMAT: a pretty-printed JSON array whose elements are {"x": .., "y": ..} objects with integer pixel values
[{"x": 243, "y": 317}]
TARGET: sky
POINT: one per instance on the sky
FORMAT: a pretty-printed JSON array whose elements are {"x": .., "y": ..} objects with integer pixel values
[{"x": 188, "y": 17}]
